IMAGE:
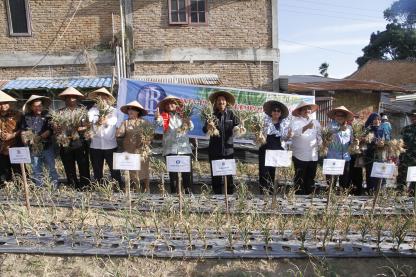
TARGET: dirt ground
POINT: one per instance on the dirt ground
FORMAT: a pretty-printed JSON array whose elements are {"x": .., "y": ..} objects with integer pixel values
[{"x": 29, "y": 265}]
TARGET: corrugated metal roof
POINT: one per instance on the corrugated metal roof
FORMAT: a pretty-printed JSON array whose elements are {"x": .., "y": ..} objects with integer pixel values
[
  {"x": 196, "y": 79},
  {"x": 344, "y": 85},
  {"x": 58, "y": 83},
  {"x": 3, "y": 82}
]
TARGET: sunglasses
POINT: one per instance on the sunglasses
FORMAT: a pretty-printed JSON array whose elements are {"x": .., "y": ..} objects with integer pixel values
[{"x": 276, "y": 110}]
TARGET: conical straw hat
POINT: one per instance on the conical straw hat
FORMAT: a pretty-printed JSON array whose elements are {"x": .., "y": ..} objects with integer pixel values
[
  {"x": 161, "y": 104},
  {"x": 101, "y": 91},
  {"x": 136, "y": 105},
  {"x": 272, "y": 104},
  {"x": 348, "y": 113},
  {"x": 228, "y": 96},
  {"x": 71, "y": 92},
  {"x": 45, "y": 101},
  {"x": 302, "y": 104},
  {"x": 5, "y": 97}
]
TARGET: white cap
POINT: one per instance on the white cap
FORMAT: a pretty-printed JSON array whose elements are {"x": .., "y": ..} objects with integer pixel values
[{"x": 384, "y": 117}]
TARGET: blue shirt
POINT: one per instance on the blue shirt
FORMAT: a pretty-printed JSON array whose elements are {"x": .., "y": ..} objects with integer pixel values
[{"x": 341, "y": 140}]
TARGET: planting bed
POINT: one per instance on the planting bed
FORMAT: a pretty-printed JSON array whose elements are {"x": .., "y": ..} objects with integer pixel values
[
  {"x": 214, "y": 244},
  {"x": 293, "y": 205}
]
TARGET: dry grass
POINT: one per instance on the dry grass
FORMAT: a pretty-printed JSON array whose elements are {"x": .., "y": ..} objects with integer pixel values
[{"x": 28, "y": 265}]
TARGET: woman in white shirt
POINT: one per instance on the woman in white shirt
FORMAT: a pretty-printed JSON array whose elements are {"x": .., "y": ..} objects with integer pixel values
[
  {"x": 306, "y": 138},
  {"x": 103, "y": 141},
  {"x": 275, "y": 130}
]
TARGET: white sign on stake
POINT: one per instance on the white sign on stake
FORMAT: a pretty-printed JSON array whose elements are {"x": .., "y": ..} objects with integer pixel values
[
  {"x": 223, "y": 167},
  {"x": 411, "y": 174},
  {"x": 278, "y": 158},
  {"x": 333, "y": 167},
  {"x": 19, "y": 155},
  {"x": 178, "y": 163},
  {"x": 383, "y": 170},
  {"x": 126, "y": 161}
]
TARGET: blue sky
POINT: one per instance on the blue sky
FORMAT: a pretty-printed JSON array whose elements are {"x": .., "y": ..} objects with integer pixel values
[{"x": 334, "y": 31}]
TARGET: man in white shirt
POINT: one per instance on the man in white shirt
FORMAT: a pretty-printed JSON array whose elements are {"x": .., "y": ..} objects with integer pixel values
[
  {"x": 306, "y": 138},
  {"x": 103, "y": 141}
]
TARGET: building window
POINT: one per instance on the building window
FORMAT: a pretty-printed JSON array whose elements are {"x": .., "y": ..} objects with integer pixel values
[
  {"x": 187, "y": 11},
  {"x": 19, "y": 17}
]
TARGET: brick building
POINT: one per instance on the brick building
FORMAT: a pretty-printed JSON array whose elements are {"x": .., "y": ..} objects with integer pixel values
[
  {"x": 361, "y": 97},
  {"x": 234, "y": 40}
]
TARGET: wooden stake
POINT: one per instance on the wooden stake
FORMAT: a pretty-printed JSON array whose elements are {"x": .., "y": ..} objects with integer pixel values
[
  {"x": 226, "y": 195},
  {"x": 376, "y": 197},
  {"x": 328, "y": 199},
  {"x": 414, "y": 200},
  {"x": 274, "y": 189},
  {"x": 22, "y": 167},
  {"x": 127, "y": 189},
  {"x": 180, "y": 193}
]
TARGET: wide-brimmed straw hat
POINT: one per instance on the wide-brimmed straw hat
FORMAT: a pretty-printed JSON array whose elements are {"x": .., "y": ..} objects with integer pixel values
[
  {"x": 302, "y": 104},
  {"x": 6, "y": 98},
  {"x": 348, "y": 113},
  {"x": 135, "y": 105},
  {"x": 71, "y": 92},
  {"x": 412, "y": 113},
  {"x": 45, "y": 101},
  {"x": 269, "y": 106},
  {"x": 228, "y": 97},
  {"x": 167, "y": 99},
  {"x": 101, "y": 91}
]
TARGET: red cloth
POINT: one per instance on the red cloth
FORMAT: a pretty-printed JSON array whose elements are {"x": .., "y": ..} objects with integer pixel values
[{"x": 165, "y": 117}]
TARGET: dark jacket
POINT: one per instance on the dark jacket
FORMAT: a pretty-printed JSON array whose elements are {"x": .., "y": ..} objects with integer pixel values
[
  {"x": 222, "y": 145},
  {"x": 38, "y": 125}
]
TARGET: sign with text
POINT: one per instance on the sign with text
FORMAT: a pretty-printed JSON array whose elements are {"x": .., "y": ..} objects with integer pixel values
[
  {"x": 178, "y": 163},
  {"x": 126, "y": 161},
  {"x": 333, "y": 167},
  {"x": 19, "y": 155},
  {"x": 278, "y": 158},
  {"x": 383, "y": 170},
  {"x": 149, "y": 94},
  {"x": 223, "y": 167},
  {"x": 411, "y": 174}
]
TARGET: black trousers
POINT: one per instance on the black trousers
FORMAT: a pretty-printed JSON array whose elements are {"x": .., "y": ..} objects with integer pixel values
[
  {"x": 344, "y": 179},
  {"x": 372, "y": 182},
  {"x": 356, "y": 176},
  {"x": 70, "y": 158},
  {"x": 187, "y": 179},
  {"x": 305, "y": 173},
  {"x": 268, "y": 173},
  {"x": 218, "y": 181},
  {"x": 7, "y": 169},
  {"x": 98, "y": 156}
]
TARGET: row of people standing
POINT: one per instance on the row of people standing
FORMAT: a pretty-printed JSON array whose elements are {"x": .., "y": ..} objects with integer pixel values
[{"x": 302, "y": 131}]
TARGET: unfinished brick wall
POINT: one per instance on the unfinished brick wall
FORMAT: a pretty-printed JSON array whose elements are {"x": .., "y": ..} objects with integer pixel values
[
  {"x": 90, "y": 27},
  {"x": 231, "y": 24},
  {"x": 232, "y": 74}
]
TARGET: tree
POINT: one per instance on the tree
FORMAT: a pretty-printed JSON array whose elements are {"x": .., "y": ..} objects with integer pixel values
[
  {"x": 398, "y": 41},
  {"x": 323, "y": 69}
]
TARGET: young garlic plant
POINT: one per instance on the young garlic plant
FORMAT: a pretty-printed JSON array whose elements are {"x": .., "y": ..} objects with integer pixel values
[{"x": 400, "y": 227}]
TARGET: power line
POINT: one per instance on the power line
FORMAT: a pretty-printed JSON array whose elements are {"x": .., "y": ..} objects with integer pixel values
[
  {"x": 333, "y": 5},
  {"x": 325, "y": 15},
  {"x": 318, "y": 47},
  {"x": 331, "y": 11},
  {"x": 58, "y": 36}
]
